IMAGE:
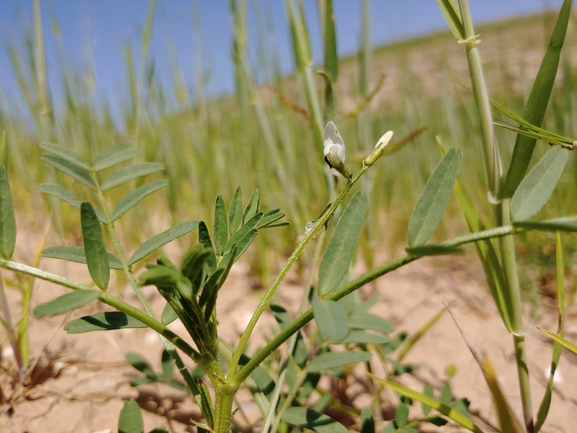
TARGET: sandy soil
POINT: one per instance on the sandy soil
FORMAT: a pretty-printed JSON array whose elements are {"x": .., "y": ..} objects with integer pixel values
[{"x": 80, "y": 381}]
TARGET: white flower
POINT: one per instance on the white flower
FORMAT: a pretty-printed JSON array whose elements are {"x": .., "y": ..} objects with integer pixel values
[{"x": 334, "y": 146}]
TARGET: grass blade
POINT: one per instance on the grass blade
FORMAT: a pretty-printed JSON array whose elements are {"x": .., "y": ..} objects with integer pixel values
[
  {"x": 65, "y": 303},
  {"x": 341, "y": 248},
  {"x": 76, "y": 254},
  {"x": 132, "y": 198},
  {"x": 161, "y": 239},
  {"x": 114, "y": 155},
  {"x": 449, "y": 412},
  {"x": 538, "y": 100},
  {"x": 536, "y": 189},
  {"x": 330, "y": 40},
  {"x": 70, "y": 168},
  {"x": 546, "y": 401},
  {"x": 431, "y": 205},
  {"x": 220, "y": 226},
  {"x": 452, "y": 15},
  {"x": 108, "y": 321},
  {"x": 126, "y": 174},
  {"x": 96, "y": 255},
  {"x": 562, "y": 341},
  {"x": 7, "y": 218}
]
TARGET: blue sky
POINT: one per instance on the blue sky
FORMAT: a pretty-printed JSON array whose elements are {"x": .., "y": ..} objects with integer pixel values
[{"x": 94, "y": 34}]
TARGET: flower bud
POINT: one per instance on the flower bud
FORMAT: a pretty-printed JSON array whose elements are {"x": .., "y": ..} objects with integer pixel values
[
  {"x": 334, "y": 150},
  {"x": 379, "y": 149}
]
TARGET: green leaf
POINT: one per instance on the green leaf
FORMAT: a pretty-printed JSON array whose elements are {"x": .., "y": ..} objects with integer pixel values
[
  {"x": 431, "y": 205},
  {"x": 244, "y": 236},
  {"x": 60, "y": 192},
  {"x": 214, "y": 283},
  {"x": 363, "y": 337},
  {"x": 140, "y": 363},
  {"x": 452, "y": 15},
  {"x": 76, "y": 171},
  {"x": 204, "y": 239},
  {"x": 367, "y": 420},
  {"x": 331, "y": 319},
  {"x": 220, "y": 226},
  {"x": 252, "y": 207},
  {"x": 114, "y": 155},
  {"x": 369, "y": 321},
  {"x": 96, "y": 255},
  {"x": 68, "y": 302},
  {"x": 65, "y": 153},
  {"x": 537, "y": 187},
  {"x": 133, "y": 197},
  {"x": 126, "y": 174},
  {"x": 270, "y": 219},
  {"x": 336, "y": 359},
  {"x": 341, "y": 248},
  {"x": 401, "y": 414},
  {"x": 538, "y": 100},
  {"x": 161, "y": 239},
  {"x": 168, "y": 315},
  {"x": 193, "y": 263},
  {"x": 77, "y": 255},
  {"x": 428, "y": 391},
  {"x": 7, "y": 219},
  {"x": 103, "y": 322},
  {"x": 313, "y": 420},
  {"x": 449, "y": 412},
  {"x": 130, "y": 420},
  {"x": 235, "y": 211}
]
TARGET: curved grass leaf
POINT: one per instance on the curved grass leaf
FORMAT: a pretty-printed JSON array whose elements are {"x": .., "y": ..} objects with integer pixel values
[
  {"x": 126, "y": 174},
  {"x": 331, "y": 319},
  {"x": 538, "y": 100},
  {"x": 313, "y": 420},
  {"x": 536, "y": 189},
  {"x": 341, "y": 248},
  {"x": 7, "y": 219},
  {"x": 65, "y": 153},
  {"x": 102, "y": 322},
  {"x": 562, "y": 341},
  {"x": 336, "y": 359},
  {"x": 410, "y": 342},
  {"x": 161, "y": 239},
  {"x": 505, "y": 417},
  {"x": 60, "y": 192},
  {"x": 132, "y": 198},
  {"x": 235, "y": 211},
  {"x": 130, "y": 419},
  {"x": 114, "y": 155},
  {"x": 96, "y": 255},
  {"x": 252, "y": 207},
  {"x": 449, "y": 412},
  {"x": 77, "y": 255},
  {"x": 220, "y": 226},
  {"x": 431, "y": 205},
  {"x": 78, "y": 172},
  {"x": 370, "y": 321},
  {"x": 65, "y": 303}
]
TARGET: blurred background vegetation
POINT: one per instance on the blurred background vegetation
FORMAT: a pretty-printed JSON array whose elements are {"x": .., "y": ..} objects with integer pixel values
[{"x": 264, "y": 136}]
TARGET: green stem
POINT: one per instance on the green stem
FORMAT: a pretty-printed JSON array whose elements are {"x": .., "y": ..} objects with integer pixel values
[
  {"x": 110, "y": 300},
  {"x": 507, "y": 246},
  {"x": 267, "y": 298},
  {"x": 224, "y": 395}
]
